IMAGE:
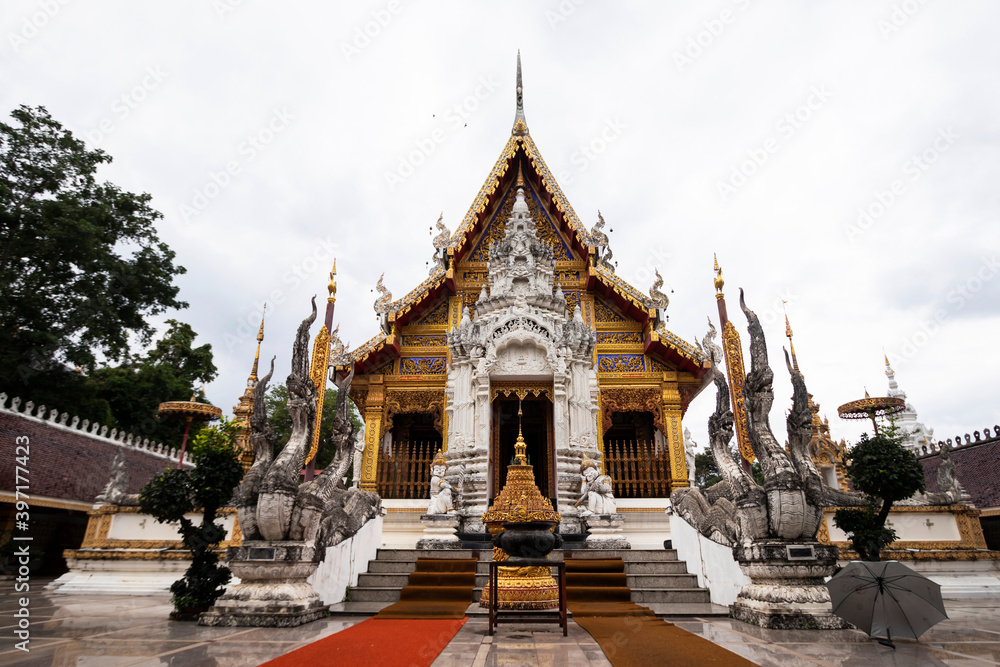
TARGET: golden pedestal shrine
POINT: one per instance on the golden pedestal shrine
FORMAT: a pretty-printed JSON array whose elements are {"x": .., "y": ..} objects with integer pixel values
[{"x": 520, "y": 500}]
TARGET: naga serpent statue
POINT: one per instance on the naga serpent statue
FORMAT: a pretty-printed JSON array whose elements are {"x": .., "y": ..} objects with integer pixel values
[
  {"x": 789, "y": 506},
  {"x": 271, "y": 503}
]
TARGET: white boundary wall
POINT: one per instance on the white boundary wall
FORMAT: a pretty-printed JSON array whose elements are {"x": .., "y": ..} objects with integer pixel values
[
  {"x": 713, "y": 563},
  {"x": 343, "y": 563}
]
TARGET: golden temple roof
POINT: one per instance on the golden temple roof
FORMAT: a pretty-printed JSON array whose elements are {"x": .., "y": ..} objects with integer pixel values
[{"x": 463, "y": 240}]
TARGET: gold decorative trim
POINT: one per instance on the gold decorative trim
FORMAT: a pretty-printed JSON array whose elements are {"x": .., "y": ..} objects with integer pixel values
[
  {"x": 422, "y": 510},
  {"x": 675, "y": 443},
  {"x": 970, "y": 530},
  {"x": 189, "y": 409},
  {"x": 737, "y": 375},
  {"x": 373, "y": 428},
  {"x": 422, "y": 401},
  {"x": 632, "y": 399},
  {"x": 320, "y": 362},
  {"x": 922, "y": 551},
  {"x": 659, "y": 510},
  {"x": 43, "y": 502},
  {"x": 520, "y": 389},
  {"x": 116, "y": 554},
  {"x": 99, "y": 527}
]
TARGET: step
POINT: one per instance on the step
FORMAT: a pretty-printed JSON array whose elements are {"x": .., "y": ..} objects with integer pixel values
[
  {"x": 639, "y": 595},
  {"x": 658, "y": 580},
  {"x": 375, "y": 594},
  {"x": 655, "y": 576},
  {"x": 664, "y": 609},
  {"x": 627, "y": 555},
  {"x": 633, "y": 567},
  {"x": 665, "y": 581},
  {"x": 487, "y": 554},
  {"x": 650, "y": 595}
]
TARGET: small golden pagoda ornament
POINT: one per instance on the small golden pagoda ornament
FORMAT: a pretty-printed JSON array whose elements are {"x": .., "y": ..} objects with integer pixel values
[{"x": 521, "y": 501}]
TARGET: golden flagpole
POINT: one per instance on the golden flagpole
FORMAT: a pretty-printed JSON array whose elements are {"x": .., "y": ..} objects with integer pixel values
[
  {"x": 733, "y": 350},
  {"x": 318, "y": 370}
]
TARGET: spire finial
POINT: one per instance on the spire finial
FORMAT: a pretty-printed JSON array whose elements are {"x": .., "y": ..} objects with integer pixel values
[
  {"x": 520, "y": 446},
  {"x": 788, "y": 332},
  {"x": 252, "y": 380},
  {"x": 889, "y": 373},
  {"x": 520, "y": 176},
  {"x": 332, "y": 286},
  {"x": 719, "y": 282},
  {"x": 520, "y": 124}
]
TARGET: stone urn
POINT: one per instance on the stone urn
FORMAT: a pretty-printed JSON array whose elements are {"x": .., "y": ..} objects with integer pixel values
[
  {"x": 787, "y": 585},
  {"x": 528, "y": 539},
  {"x": 273, "y": 591}
]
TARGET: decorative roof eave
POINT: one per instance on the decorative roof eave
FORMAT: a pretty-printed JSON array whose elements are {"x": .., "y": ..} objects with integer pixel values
[
  {"x": 621, "y": 289},
  {"x": 371, "y": 347},
  {"x": 669, "y": 345},
  {"x": 416, "y": 296}
]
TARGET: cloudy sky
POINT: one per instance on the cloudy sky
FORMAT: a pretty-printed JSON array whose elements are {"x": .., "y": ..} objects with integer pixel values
[{"x": 839, "y": 156}]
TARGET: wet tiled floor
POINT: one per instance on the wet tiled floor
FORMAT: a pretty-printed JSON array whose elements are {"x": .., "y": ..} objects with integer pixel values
[{"x": 121, "y": 630}]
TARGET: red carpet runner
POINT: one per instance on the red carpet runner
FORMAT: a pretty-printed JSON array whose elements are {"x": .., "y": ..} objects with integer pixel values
[
  {"x": 409, "y": 633},
  {"x": 385, "y": 643}
]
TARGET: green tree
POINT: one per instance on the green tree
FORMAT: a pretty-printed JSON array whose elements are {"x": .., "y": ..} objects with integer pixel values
[
  {"x": 706, "y": 473},
  {"x": 277, "y": 410},
  {"x": 81, "y": 265},
  {"x": 169, "y": 371},
  {"x": 885, "y": 471},
  {"x": 208, "y": 486}
]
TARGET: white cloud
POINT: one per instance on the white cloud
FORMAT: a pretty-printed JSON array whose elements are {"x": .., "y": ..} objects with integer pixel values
[{"x": 782, "y": 231}]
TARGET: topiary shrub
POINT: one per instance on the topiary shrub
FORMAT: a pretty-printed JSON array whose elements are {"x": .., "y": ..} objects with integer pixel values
[
  {"x": 884, "y": 470},
  {"x": 208, "y": 486}
]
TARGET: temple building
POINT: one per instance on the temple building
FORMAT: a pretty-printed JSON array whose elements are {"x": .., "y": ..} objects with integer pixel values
[{"x": 523, "y": 308}]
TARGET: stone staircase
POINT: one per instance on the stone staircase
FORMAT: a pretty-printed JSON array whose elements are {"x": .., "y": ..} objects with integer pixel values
[{"x": 657, "y": 578}]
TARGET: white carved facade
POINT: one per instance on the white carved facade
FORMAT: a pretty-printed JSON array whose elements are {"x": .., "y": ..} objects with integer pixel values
[{"x": 522, "y": 331}]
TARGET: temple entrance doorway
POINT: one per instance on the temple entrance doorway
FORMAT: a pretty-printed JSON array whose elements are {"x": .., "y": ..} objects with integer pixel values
[{"x": 536, "y": 427}]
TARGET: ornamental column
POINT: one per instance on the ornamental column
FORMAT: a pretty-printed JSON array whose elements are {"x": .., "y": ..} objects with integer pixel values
[
  {"x": 373, "y": 431},
  {"x": 671, "y": 398}
]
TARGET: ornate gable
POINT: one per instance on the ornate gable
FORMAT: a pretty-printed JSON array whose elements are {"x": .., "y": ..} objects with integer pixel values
[
  {"x": 608, "y": 313},
  {"x": 544, "y": 225},
  {"x": 437, "y": 315}
]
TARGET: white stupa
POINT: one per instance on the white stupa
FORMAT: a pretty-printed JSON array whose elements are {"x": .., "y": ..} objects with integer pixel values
[{"x": 918, "y": 438}]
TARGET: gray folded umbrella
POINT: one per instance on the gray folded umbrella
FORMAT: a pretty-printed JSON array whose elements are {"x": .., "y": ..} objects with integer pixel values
[{"x": 886, "y": 599}]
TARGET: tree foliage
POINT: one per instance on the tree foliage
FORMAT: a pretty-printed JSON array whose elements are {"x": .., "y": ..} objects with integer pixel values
[
  {"x": 276, "y": 400},
  {"x": 706, "y": 473},
  {"x": 170, "y": 371},
  {"x": 81, "y": 265},
  {"x": 210, "y": 485},
  {"x": 884, "y": 470}
]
